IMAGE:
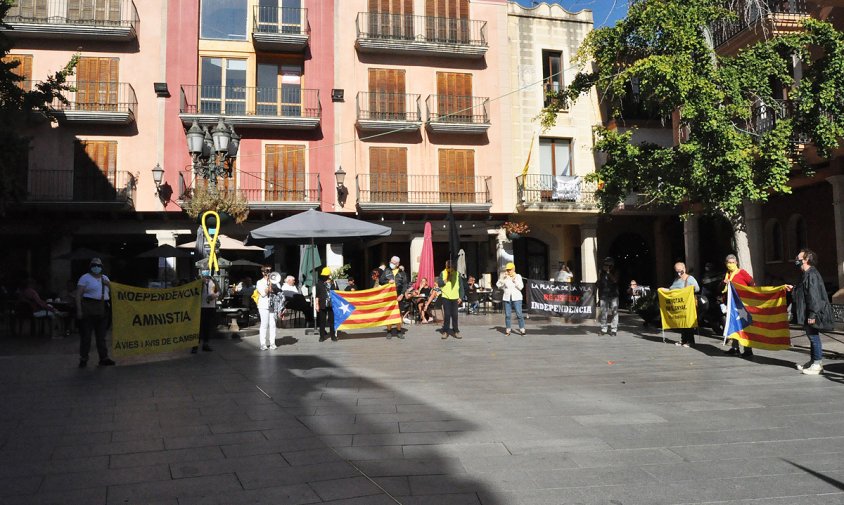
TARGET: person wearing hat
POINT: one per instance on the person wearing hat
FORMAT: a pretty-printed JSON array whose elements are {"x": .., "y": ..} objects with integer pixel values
[
  {"x": 608, "y": 297},
  {"x": 325, "y": 314},
  {"x": 92, "y": 294},
  {"x": 393, "y": 274},
  {"x": 511, "y": 283}
]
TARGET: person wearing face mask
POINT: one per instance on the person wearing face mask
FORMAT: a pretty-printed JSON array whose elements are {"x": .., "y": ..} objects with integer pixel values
[
  {"x": 811, "y": 308},
  {"x": 683, "y": 279},
  {"x": 608, "y": 297},
  {"x": 92, "y": 293},
  {"x": 208, "y": 311},
  {"x": 739, "y": 276},
  {"x": 393, "y": 274},
  {"x": 267, "y": 330}
]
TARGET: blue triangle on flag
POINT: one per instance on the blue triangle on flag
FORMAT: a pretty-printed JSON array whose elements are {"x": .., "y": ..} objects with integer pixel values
[
  {"x": 737, "y": 316},
  {"x": 342, "y": 309}
]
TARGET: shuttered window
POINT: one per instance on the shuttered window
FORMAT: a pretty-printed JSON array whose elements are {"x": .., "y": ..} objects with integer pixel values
[
  {"x": 386, "y": 94},
  {"x": 29, "y": 10},
  {"x": 285, "y": 173},
  {"x": 447, "y": 20},
  {"x": 97, "y": 83},
  {"x": 94, "y": 170},
  {"x": 457, "y": 175},
  {"x": 24, "y": 69},
  {"x": 94, "y": 11},
  {"x": 388, "y": 174},
  {"x": 454, "y": 98},
  {"x": 391, "y": 19}
]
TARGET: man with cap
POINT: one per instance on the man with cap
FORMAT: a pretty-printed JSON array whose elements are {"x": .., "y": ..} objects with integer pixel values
[
  {"x": 325, "y": 314},
  {"x": 393, "y": 274},
  {"x": 608, "y": 297},
  {"x": 92, "y": 293}
]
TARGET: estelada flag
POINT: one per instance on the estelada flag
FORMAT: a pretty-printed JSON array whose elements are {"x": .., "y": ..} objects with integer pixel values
[
  {"x": 367, "y": 308},
  {"x": 764, "y": 325},
  {"x": 677, "y": 308}
]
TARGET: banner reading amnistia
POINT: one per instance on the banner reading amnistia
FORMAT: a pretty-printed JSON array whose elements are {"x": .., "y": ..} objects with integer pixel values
[
  {"x": 564, "y": 299},
  {"x": 148, "y": 321}
]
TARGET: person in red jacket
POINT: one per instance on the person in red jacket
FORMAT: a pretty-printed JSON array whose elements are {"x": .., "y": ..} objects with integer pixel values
[{"x": 740, "y": 276}]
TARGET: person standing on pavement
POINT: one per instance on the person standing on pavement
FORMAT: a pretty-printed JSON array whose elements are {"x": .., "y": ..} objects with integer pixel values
[
  {"x": 395, "y": 275},
  {"x": 325, "y": 313},
  {"x": 208, "y": 311},
  {"x": 92, "y": 295},
  {"x": 811, "y": 308},
  {"x": 608, "y": 297},
  {"x": 511, "y": 283},
  {"x": 683, "y": 279},
  {"x": 267, "y": 330},
  {"x": 564, "y": 274},
  {"x": 452, "y": 297},
  {"x": 739, "y": 276}
]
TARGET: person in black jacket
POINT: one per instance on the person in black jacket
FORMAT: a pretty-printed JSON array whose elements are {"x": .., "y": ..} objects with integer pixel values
[
  {"x": 811, "y": 308},
  {"x": 325, "y": 314},
  {"x": 397, "y": 276},
  {"x": 608, "y": 297}
]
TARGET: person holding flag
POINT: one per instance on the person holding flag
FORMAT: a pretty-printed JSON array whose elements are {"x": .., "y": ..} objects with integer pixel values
[
  {"x": 740, "y": 276},
  {"x": 325, "y": 313},
  {"x": 394, "y": 275},
  {"x": 811, "y": 308}
]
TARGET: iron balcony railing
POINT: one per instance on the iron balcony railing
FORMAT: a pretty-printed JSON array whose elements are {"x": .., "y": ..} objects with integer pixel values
[
  {"x": 260, "y": 187},
  {"x": 377, "y": 106},
  {"x": 422, "y": 189},
  {"x": 111, "y": 13},
  {"x": 546, "y": 188},
  {"x": 286, "y": 101},
  {"x": 763, "y": 118},
  {"x": 98, "y": 97},
  {"x": 457, "y": 109},
  {"x": 430, "y": 29},
  {"x": 722, "y": 31},
  {"x": 280, "y": 20},
  {"x": 80, "y": 186}
]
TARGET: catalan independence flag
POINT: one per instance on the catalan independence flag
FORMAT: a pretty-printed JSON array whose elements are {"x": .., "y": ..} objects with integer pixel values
[
  {"x": 367, "y": 308},
  {"x": 757, "y": 317}
]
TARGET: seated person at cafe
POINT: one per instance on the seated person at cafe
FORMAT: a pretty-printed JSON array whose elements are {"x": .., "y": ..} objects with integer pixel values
[
  {"x": 419, "y": 297},
  {"x": 427, "y": 310},
  {"x": 29, "y": 297},
  {"x": 296, "y": 300},
  {"x": 473, "y": 299},
  {"x": 246, "y": 290}
]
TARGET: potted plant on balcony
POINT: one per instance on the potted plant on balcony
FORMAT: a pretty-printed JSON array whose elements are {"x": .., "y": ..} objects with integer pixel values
[
  {"x": 515, "y": 229},
  {"x": 230, "y": 204}
]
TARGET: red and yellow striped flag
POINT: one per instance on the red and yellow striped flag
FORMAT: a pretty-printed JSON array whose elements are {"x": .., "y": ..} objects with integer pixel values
[
  {"x": 366, "y": 308},
  {"x": 768, "y": 310}
]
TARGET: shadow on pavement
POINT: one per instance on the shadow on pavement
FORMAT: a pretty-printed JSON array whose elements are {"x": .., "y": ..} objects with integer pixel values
[{"x": 825, "y": 478}]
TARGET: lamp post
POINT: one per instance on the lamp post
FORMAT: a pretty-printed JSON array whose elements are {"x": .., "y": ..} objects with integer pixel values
[
  {"x": 213, "y": 152},
  {"x": 342, "y": 190},
  {"x": 163, "y": 192}
]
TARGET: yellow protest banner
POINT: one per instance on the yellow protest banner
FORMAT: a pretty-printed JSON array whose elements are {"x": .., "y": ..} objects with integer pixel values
[
  {"x": 677, "y": 308},
  {"x": 148, "y": 321}
]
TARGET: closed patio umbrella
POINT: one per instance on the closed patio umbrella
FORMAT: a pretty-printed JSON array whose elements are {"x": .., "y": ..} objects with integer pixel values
[{"x": 426, "y": 259}]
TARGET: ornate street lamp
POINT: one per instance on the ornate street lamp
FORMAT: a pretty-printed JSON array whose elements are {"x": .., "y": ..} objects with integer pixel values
[{"x": 213, "y": 152}]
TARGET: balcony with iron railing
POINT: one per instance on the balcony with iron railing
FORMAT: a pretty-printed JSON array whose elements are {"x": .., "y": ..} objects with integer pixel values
[
  {"x": 80, "y": 187},
  {"x": 778, "y": 16},
  {"x": 97, "y": 103},
  {"x": 287, "y": 107},
  {"x": 388, "y": 111},
  {"x": 764, "y": 118},
  {"x": 292, "y": 191},
  {"x": 115, "y": 20},
  {"x": 280, "y": 29},
  {"x": 420, "y": 35},
  {"x": 549, "y": 192},
  {"x": 401, "y": 192},
  {"x": 457, "y": 114}
]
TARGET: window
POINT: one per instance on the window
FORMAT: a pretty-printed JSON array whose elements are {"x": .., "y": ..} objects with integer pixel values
[
  {"x": 223, "y": 19},
  {"x": 391, "y": 19},
  {"x": 223, "y": 88},
  {"x": 447, "y": 21},
  {"x": 454, "y": 97},
  {"x": 285, "y": 173},
  {"x": 29, "y": 10},
  {"x": 773, "y": 241},
  {"x": 94, "y": 170},
  {"x": 279, "y": 16},
  {"x": 457, "y": 175},
  {"x": 388, "y": 174},
  {"x": 94, "y": 11},
  {"x": 24, "y": 69},
  {"x": 386, "y": 95},
  {"x": 554, "y": 157},
  {"x": 552, "y": 73},
  {"x": 97, "y": 84},
  {"x": 274, "y": 77}
]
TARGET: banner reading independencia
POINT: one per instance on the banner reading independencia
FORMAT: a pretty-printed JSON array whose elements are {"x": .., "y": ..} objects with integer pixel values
[
  {"x": 148, "y": 321},
  {"x": 677, "y": 308},
  {"x": 572, "y": 301}
]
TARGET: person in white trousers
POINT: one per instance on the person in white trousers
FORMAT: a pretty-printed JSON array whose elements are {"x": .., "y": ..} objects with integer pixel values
[{"x": 266, "y": 332}]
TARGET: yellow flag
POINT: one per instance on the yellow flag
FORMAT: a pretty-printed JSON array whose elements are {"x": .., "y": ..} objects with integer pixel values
[
  {"x": 677, "y": 308},
  {"x": 527, "y": 162}
]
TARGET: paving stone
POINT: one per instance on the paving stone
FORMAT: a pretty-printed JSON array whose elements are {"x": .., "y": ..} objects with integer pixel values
[
  {"x": 163, "y": 457},
  {"x": 338, "y": 489}
]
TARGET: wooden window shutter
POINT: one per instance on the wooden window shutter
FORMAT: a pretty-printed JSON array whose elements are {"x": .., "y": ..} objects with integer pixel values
[
  {"x": 271, "y": 159},
  {"x": 95, "y": 170},
  {"x": 74, "y": 9},
  {"x": 97, "y": 83},
  {"x": 457, "y": 175},
  {"x": 285, "y": 172},
  {"x": 24, "y": 69},
  {"x": 388, "y": 174}
]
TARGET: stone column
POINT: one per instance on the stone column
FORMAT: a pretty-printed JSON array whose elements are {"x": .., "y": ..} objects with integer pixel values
[
  {"x": 837, "y": 182},
  {"x": 59, "y": 268},
  {"x": 167, "y": 266},
  {"x": 691, "y": 241},
  {"x": 750, "y": 243},
  {"x": 503, "y": 253},
  {"x": 334, "y": 256},
  {"x": 662, "y": 253},
  {"x": 589, "y": 251}
]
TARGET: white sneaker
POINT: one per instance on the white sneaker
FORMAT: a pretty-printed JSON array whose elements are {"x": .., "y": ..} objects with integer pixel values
[
  {"x": 263, "y": 348},
  {"x": 806, "y": 365},
  {"x": 815, "y": 369},
  {"x": 273, "y": 347}
]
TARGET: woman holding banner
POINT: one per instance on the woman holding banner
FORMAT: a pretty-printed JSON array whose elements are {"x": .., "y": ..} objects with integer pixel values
[{"x": 683, "y": 279}]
